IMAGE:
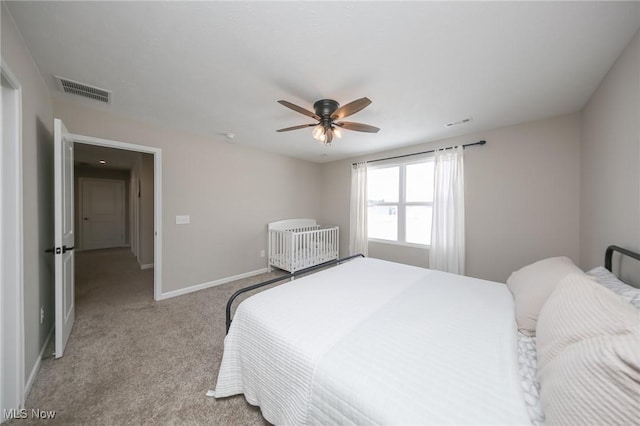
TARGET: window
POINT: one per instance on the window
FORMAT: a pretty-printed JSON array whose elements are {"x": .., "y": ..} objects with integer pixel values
[{"x": 401, "y": 202}]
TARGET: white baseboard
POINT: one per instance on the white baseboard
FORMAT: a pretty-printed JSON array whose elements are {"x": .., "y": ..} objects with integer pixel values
[
  {"x": 36, "y": 367},
  {"x": 147, "y": 266},
  {"x": 202, "y": 286}
]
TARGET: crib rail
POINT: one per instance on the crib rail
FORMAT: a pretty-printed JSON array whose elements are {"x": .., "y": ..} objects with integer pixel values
[{"x": 296, "y": 249}]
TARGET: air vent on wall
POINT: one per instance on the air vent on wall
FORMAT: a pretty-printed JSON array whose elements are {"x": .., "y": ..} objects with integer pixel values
[{"x": 81, "y": 89}]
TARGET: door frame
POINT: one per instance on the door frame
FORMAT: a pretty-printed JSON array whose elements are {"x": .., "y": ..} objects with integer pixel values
[
  {"x": 157, "y": 196},
  {"x": 82, "y": 182},
  {"x": 11, "y": 234}
]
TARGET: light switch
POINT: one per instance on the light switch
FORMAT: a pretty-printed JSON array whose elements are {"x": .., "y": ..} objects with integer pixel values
[{"x": 182, "y": 219}]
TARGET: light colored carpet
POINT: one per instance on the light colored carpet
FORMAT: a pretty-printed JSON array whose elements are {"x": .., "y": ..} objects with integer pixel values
[{"x": 133, "y": 360}]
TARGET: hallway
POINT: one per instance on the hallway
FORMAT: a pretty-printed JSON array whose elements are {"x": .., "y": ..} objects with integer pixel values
[{"x": 108, "y": 280}]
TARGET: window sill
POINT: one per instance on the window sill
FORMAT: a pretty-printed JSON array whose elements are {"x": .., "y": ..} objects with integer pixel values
[{"x": 399, "y": 243}]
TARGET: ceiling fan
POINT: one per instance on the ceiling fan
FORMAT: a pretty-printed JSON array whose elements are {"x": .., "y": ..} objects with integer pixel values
[{"x": 329, "y": 113}]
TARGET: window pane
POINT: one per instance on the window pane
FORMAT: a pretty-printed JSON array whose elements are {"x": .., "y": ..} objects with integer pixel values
[
  {"x": 383, "y": 222},
  {"x": 420, "y": 181},
  {"x": 382, "y": 185},
  {"x": 419, "y": 224}
]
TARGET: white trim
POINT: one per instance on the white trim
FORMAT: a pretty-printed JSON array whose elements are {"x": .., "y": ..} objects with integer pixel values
[
  {"x": 147, "y": 266},
  {"x": 399, "y": 243},
  {"x": 133, "y": 210},
  {"x": 203, "y": 286},
  {"x": 157, "y": 202},
  {"x": 16, "y": 240},
  {"x": 157, "y": 211},
  {"x": 36, "y": 368}
]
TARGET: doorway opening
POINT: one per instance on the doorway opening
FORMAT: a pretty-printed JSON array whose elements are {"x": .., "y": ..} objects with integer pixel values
[
  {"x": 114, "y": 200},
  {"x": 64, "y": 223},
  {"x": 117, "y": 190}
]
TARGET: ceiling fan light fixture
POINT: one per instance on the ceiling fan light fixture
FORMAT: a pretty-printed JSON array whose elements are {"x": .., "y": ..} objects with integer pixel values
[
  {"x": 328, "y": 136},
  {"x": 319, "y": 133},
  {"x": 328, "y": 112},
  {"x": 324, "y": 134}
]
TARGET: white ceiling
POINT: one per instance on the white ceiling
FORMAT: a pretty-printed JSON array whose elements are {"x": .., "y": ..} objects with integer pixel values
[{"x": 217, "y": 67}]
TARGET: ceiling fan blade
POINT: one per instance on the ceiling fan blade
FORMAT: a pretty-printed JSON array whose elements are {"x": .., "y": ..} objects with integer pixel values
[
  {"x": 358, "y": 127},
  {"x": 302, "y": 126},
  {"x": 299, "y": 109},
  {"x": 350, "y": 108}
]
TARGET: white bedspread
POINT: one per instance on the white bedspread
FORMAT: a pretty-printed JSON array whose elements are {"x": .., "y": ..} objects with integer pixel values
[{"x": 377, "y": 342}]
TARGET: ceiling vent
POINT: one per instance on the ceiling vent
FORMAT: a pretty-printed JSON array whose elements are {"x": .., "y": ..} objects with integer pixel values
[{"x": 84, "y": 90}]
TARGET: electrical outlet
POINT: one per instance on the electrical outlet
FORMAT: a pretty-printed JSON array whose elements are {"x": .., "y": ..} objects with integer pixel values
[
  {"x": 261, "y": 253},
  {"x": 41, "y": 314}
]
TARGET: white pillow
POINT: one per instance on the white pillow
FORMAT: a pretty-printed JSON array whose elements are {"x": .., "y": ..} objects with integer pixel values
[
  {"x": 532, "y": 284},
  {"x": 580, "y": 309},
  {"x": 610, "y": 281},
  {"x": 588, "y": 342}
]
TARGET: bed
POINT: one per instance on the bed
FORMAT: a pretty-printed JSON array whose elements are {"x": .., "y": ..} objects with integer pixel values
[
  {"x": 376, "y": 342},
  {"x": 297, "y": 244}
]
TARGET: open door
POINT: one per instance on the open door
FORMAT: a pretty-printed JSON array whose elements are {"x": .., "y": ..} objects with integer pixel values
[{"x": 64, "y": 238}]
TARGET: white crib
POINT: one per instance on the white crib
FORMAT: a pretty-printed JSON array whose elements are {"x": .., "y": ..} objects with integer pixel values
[{"x": 296, "y": 244}]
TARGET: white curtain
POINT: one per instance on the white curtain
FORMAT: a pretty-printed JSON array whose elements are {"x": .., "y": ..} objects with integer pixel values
[
  {"x": 447, "y": 226},
  {"x": 358, "y": 238}
]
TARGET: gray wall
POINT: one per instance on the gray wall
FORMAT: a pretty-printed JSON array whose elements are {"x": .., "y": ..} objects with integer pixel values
[
  {"x": 230, "y": 192},
  {"x": 522, "y": 197},
  {"x": 37, "y": 168},
  {"x": 610, "y": 162}
]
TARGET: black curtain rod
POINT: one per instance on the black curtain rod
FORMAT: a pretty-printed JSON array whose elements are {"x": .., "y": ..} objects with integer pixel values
[{"x": 419, "y": 153}]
